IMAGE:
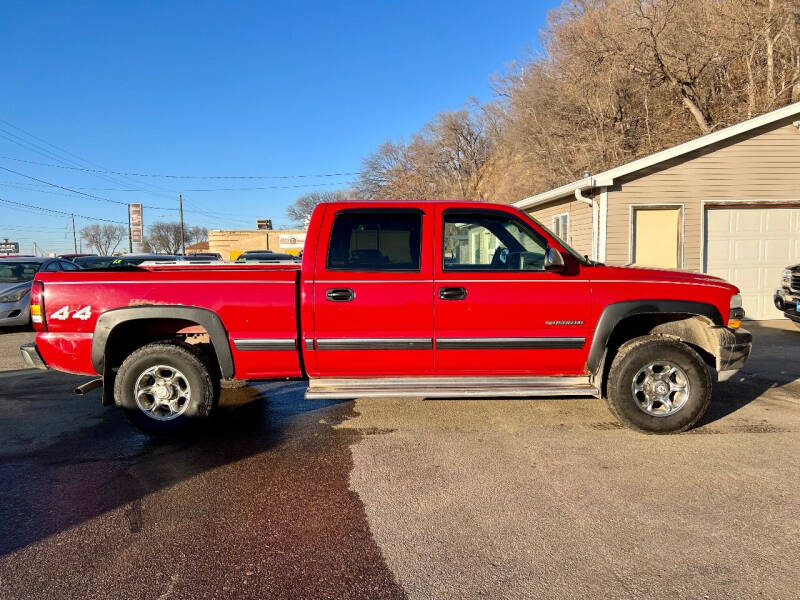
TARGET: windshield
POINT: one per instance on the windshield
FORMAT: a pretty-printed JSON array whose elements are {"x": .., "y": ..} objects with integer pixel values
[
  {"x": 93, "y": 262},
  {"x": 18, "y": 272}
]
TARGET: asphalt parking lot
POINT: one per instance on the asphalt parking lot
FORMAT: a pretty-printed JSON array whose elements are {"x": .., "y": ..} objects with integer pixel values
[{"x": 283, "y": 498}]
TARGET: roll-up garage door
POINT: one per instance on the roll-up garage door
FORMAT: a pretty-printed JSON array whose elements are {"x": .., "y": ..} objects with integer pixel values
[{"x": 750, "y": 247}]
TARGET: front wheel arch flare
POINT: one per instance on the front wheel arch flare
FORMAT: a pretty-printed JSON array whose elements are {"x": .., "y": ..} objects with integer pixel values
[{"x": 615, "y": 313}]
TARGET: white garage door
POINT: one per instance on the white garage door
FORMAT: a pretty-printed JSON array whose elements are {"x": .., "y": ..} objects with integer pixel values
[{"x": 750, "y": 247}]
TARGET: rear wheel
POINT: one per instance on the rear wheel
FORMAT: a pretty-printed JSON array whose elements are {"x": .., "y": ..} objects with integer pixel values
[
  {"x": 658, "y": 385},
  {"x": 166, "y": 388}
]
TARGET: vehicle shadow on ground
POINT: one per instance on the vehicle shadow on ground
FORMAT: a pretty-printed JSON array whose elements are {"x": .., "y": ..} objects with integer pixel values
[
  {"x": 731, "y": 396},
  {"x": 771, "y": 366},
  {"x": 16, "y": 329},
  {"x": 65, "y": 459}
]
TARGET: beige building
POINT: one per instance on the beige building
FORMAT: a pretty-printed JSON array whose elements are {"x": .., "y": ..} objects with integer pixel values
[
  {"x": 231, "y": 243},
  {"x": 727, "y": 204}
]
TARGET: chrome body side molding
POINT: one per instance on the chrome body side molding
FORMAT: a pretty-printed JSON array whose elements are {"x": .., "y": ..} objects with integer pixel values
[
  {"x": 519, "y": 343},
  {"x": 374, "y": 343},
  {"x": 244, "y": 344},
  {"x": 478, "y": 343}
]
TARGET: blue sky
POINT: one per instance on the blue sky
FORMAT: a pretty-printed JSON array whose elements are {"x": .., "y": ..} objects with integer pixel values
[{"x": 236, "y": 88}]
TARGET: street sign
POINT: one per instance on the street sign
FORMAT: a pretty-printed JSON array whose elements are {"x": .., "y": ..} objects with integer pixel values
[
  {"x": 137, "y": 224},
  {"x": 7, "y": 247}
]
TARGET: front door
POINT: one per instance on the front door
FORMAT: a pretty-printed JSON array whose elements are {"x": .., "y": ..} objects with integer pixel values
[
  {"x": 496, "y": 310},
  {"x": 373, "y": 293}
]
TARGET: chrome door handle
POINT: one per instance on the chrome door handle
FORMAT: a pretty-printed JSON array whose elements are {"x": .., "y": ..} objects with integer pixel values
[
  {"x": 452, "y": 293},
  {"x": 340, "y": 295}
]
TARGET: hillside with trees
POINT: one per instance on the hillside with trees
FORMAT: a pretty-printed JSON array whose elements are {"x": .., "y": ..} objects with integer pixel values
[{"x": 617, "y": 79}]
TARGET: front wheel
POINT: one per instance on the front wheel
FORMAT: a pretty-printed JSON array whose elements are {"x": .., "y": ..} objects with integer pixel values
[
  {"x": 165, "y": 388},
  {"x": 658, "y": 385}
]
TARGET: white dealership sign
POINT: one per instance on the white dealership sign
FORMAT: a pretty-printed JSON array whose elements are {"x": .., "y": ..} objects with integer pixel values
[{"x": 292, "y": 241}]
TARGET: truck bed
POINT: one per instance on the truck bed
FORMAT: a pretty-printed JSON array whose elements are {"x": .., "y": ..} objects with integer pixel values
[{"x": 257, "y": 305}]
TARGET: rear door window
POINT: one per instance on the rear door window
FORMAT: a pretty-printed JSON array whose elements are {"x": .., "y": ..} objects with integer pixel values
[{"x": 375, "y": 241}]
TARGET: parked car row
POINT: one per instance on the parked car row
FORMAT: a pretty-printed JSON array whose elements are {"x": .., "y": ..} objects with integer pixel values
[{"x": 16, "y": 278}]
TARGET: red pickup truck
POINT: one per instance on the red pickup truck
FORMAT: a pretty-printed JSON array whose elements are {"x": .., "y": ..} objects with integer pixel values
[{"x": 431, "y": 299}]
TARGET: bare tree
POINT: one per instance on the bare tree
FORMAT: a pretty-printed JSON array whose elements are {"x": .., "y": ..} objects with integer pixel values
[
  {"x": 165, "y": 237},
  {"x": 103, "y": 239},
  {"x": 449, "y": 158},
  {"x": 301, "y": 210}
]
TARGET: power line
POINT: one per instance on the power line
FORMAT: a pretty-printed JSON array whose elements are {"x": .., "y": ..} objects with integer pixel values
[
  {"x": 74, "y": 191},
  {"x": 38, "y": 190},
  {"x": 30, "y": 228},
  {"x": 101, "y": 172},
  {"x": 231, "y": 189},
  {"x": 172, "y": 176},
  {"x": 62, "y": 150},
  {"x": 59, "y": 212},
  {"x": 38, "y": 149}
]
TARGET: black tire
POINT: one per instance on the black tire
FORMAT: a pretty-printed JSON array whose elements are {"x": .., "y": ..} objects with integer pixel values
[
  {"x": 636, "y": 355},
  {"x": 200, "y": 379}
]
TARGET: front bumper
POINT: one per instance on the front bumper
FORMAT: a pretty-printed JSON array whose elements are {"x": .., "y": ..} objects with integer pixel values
[
  {"x": 30, "y": 354},
  {"x": 787, "y": 302},
  {"x": 733, "y": 350},
  {"x": 15, "y": 314}
]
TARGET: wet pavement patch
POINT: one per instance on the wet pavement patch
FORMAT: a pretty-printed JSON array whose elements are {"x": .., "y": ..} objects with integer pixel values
[{"x": 257, "y": 506}]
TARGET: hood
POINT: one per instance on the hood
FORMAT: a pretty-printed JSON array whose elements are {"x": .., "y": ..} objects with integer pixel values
[
  {"x": 660, "y": 276},
  {"x": 6, "y": 288}
]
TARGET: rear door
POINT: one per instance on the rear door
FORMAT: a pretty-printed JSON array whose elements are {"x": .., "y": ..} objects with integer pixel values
[
  {"x": 372, "y": 293},
  {"x": 497, "y": 311}
]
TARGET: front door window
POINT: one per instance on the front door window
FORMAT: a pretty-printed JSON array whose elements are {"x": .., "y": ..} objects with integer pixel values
[{"x": 490, "y": 242}]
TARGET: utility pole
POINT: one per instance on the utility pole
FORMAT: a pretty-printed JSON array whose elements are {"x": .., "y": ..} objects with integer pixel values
[
  {"x": 130, "y": 235},
  {"x": 183, "y": 240},
  {"x": 74, "y": 236},
  {"x": 35, "y": 249}
]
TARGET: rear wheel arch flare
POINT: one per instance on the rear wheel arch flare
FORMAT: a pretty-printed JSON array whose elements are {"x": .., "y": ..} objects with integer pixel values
[{"x": 111, "y": 320}]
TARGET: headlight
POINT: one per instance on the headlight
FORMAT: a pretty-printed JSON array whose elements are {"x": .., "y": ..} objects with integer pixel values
[
  {"x": 15, "y": 296},
  {"x": 737, "y": 312},
  {"x": 787, "y": 278}
]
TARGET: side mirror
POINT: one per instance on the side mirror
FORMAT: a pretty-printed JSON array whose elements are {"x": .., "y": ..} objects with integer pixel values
[{"x": 553, "y": 261}]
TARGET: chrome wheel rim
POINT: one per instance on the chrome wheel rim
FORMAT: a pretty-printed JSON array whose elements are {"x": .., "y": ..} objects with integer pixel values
[
  {"x": 661, "y": 388},
  {"x": 162, "y": 393}
]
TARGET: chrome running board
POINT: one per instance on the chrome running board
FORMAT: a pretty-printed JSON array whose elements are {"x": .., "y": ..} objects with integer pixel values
[{"x": 449, "y": 387}]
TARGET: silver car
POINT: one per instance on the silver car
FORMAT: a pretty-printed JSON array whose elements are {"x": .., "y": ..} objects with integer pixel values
[{"x": 16, "y": 275}]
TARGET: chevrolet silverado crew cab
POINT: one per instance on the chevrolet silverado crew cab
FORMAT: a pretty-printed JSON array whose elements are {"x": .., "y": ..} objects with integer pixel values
[{"x": 430, "y": 299}]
